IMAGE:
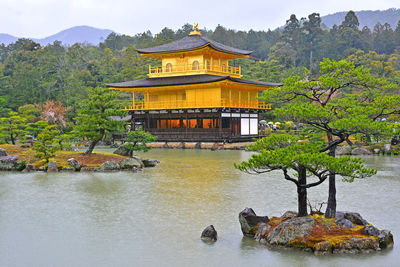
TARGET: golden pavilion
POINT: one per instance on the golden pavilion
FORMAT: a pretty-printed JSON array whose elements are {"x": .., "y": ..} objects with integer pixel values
[{"x": 195, "y": 94}]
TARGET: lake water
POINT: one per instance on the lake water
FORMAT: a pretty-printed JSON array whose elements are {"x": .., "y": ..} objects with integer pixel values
[{"x": 155, "y": 217}]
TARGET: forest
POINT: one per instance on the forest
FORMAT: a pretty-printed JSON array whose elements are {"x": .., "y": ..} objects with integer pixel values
[{"x": 33, "y": 74}]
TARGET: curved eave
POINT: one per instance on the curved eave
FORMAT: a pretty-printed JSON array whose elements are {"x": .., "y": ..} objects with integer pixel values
[
  {"x": 187, "y": 80},
  {"x": 144, "y": 53}
]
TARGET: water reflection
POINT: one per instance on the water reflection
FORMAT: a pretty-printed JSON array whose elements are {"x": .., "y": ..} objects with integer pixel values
[{"x": 155, "y": 217}]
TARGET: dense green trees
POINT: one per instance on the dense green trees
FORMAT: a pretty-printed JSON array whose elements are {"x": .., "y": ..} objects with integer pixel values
[{"x": 32, "y": 74}]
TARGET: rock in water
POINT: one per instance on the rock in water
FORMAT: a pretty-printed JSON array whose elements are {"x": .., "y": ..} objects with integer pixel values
[
  {"x": 356, "y": 245},
  {"x": 209, "y": 234},
  {"x": 360, "y": 151},
  {"x": 150, "y": 162},
  {"x": 343, "y": 150},
  {"x": 109, "y": 166},
  {"x": 249, "y": 221},
  {"x": 324, "y": 247},
  {"x": 8, "y": 163},
  {"x": 138, "y": 159},
  {"x": 52, "y": 166},
  {"x": 387, "y": 149},
  {"x": 129, "y": 163},
  {"x": 75, "y": 164},
  {"x": 385, "y": 239},
  {"x": 261, "y": 232},
  {"x": 3, "y": 153},
  {"x": 371, "y": 230},
  {"x": 28, "y": 168}
]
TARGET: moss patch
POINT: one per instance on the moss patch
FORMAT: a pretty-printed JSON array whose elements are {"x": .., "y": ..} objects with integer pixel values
[{"x": 326, "y": 229}]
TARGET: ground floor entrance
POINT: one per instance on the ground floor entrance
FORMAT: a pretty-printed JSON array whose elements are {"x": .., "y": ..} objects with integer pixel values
[{"x": 198, "y": 125}]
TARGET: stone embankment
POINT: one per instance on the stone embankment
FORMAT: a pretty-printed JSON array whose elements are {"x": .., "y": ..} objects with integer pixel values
[
  {"x": 347, "y": 233},
  {"x": 374, "y": 149},
  {"x": 356, "y": 150},
  {"x": 201, "y": 145}
]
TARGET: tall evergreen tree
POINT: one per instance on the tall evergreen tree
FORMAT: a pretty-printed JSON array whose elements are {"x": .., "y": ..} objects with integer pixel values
[{"x": 94, "y": 118}]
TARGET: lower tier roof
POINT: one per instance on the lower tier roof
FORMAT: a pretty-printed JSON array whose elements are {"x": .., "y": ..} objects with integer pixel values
[{"x": 185, "y": 80}]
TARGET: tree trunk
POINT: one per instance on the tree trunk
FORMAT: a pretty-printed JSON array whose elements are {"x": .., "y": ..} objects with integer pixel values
[
  {"x": 311, "y": 58},
  {"x": 331, "y": 207},
  {"x": 91, "y": 147},
  {"x": 302, "y": 193},
  {"x": 12, "y": 139}
]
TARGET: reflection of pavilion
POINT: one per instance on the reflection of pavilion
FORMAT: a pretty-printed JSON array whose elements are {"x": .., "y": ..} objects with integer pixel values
[{"x": 195, "y": 95}]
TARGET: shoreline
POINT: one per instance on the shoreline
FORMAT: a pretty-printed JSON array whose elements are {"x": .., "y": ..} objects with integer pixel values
[{"x": 340, "y": 151}]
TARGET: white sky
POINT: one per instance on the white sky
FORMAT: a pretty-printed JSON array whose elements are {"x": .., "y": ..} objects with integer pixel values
[{"x": 41, "y": 18}]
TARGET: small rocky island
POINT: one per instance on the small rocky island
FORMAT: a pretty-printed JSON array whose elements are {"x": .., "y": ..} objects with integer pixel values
[
  {"x": 17, "y": 158},
  {"x": 347, "y": 233}
]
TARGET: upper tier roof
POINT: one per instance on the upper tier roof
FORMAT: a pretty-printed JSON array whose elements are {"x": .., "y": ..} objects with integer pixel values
[
  {"x": 192, "y": 42},
  {"x": 184, "y": 80}
]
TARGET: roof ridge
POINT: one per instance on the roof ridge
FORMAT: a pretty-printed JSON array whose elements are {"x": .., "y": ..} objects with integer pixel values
[{"x": 192, "y": 42}]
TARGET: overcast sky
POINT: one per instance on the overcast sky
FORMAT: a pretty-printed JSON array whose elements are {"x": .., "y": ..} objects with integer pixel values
[{"x": 41, "y": 18}]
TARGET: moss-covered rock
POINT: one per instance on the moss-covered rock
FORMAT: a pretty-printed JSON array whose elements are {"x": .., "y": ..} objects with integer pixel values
[
  {"x": 129, "y": 163},
  {"x": 249, "y": 221},
  {"x": 8, "y": 163},
  {"x": 319, "y": 234},
  {"x": 109, "y": 166},
  {"x": 288, "y": 231}
]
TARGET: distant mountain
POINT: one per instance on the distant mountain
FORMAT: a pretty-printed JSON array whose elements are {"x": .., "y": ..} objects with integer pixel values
[
  {"x": 78, "y": 34},
  {"x": 366, "y": 18},
  {"x": 7, "y": 39}
]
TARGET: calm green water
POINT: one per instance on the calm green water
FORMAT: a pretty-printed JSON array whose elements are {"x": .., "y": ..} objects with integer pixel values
[{"x": 155, "y": 217}]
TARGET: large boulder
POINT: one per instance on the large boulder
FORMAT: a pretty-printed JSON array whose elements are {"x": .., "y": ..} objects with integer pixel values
[
  {"x": 3, "y": 153},
  {"x": 387, "y": 149},
  {"x": 371, "y": 230},
  {"x": 287, "y": 231},
  {"x": 249, "y": 221},
  {"x": 342, "y": 150},
  {"x": 122, "y": 150},
  {"x": 109, "y": 166},
  {"x": 323, "y": 248},
  {"x": 75, "y": 164},
  {"x": 150, "y": 162},
  {"x": 289, "y": 214},
  {"x": 29, "y": 168},
  {"x": 360, "y": 151},
  {"x": 52, "y": 166},
  {"x": 8, "y": 163},
  {"x": 356, "y": 245},
  {"x": 262, "y": 232},
  {"x": 90, "y": 169},
  {"x": 129, "y": 163},
  {"x": 209, "y": 234},
  {"x": 344, "y": 223},
  {"x": 385, "y": 239},
  {"x": 353, "y": 217}
]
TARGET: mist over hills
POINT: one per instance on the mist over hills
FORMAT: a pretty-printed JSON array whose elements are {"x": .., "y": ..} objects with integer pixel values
[
  {"x": 91, "y": 35},
  {"x": 77, "y": 34},
  {"x": 367, "y": 18}
]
